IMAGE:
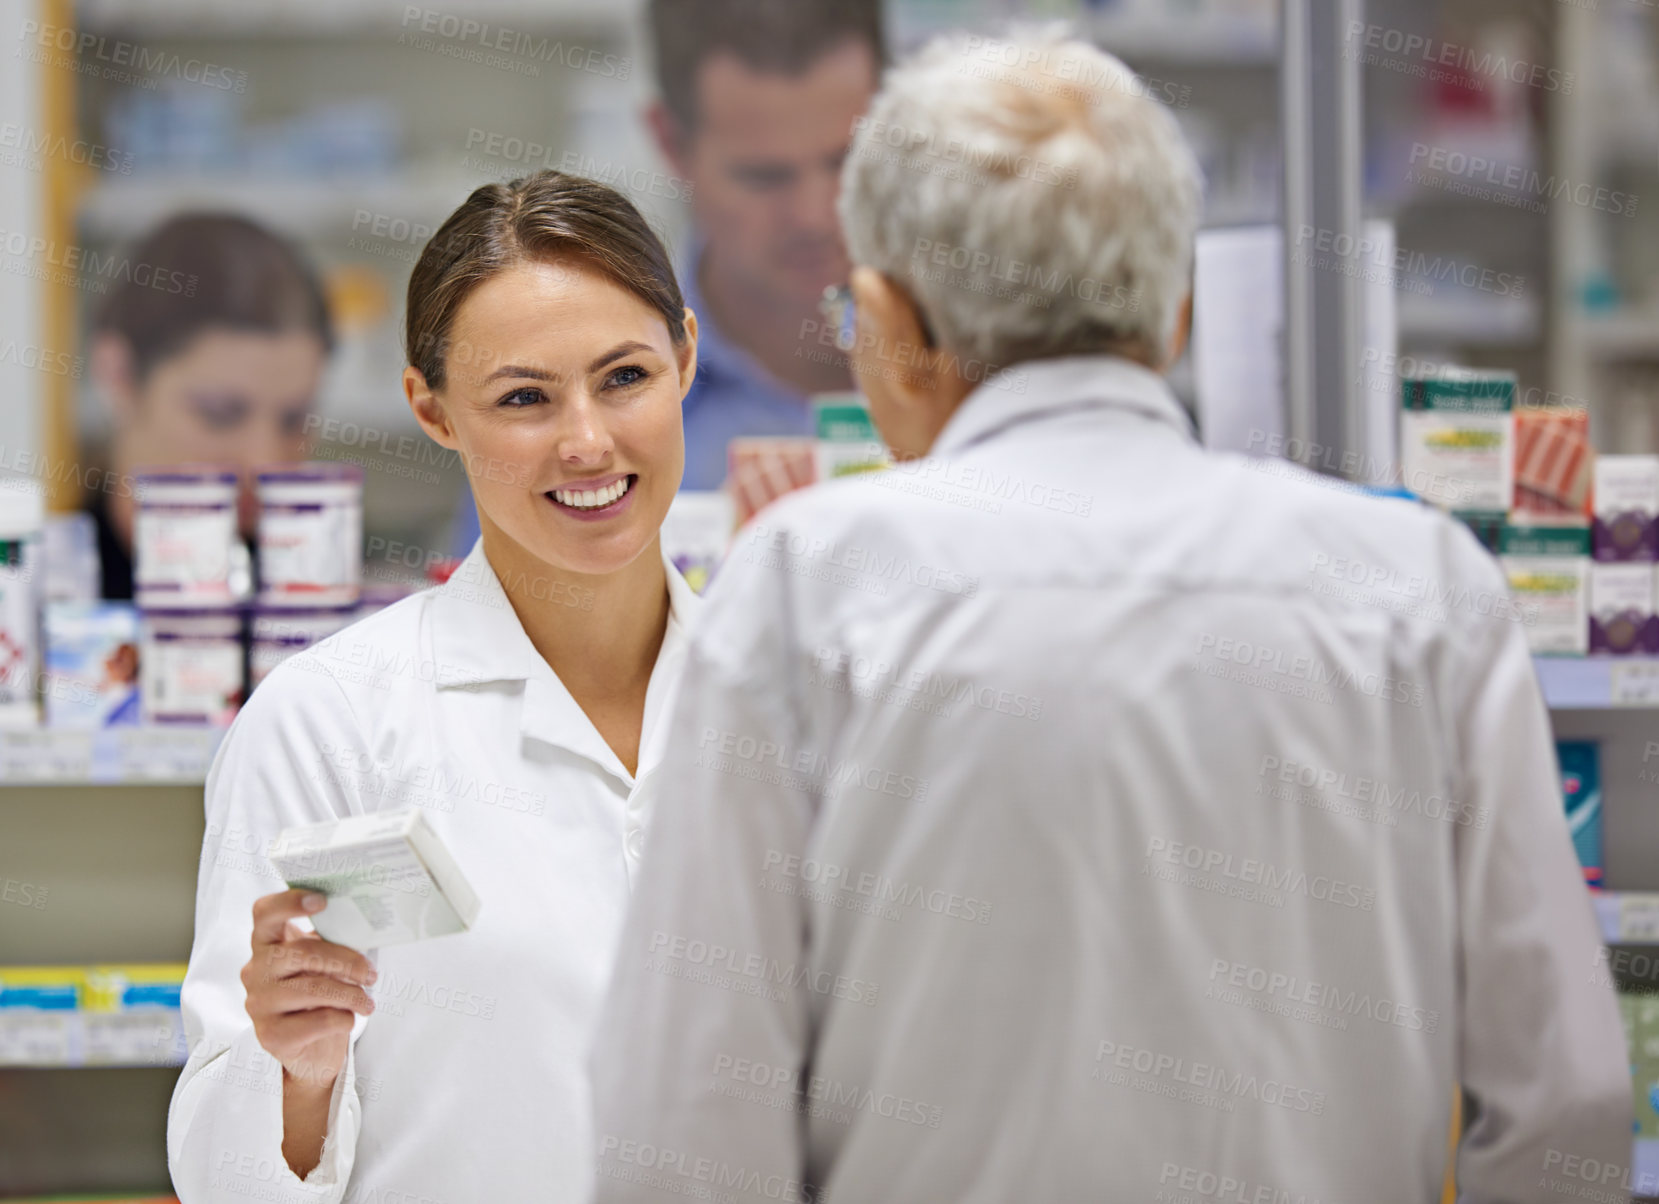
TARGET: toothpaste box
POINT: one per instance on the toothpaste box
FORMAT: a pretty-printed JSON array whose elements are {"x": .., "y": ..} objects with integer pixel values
[
  {"x": 1627, "y": 508},
  {"x": 388, "y": 878},
  {"x": 1580, "y": 762},
  {"x": 1548, "y": 566},
  {"x": 1622, "y": 621},
  {"x": 1457, "y": 439}
]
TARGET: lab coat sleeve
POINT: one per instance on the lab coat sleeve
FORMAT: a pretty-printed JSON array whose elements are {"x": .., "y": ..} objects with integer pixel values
[
  {"x": 711, "y": 979},
  {"x": 1543, "y": 1064},
  {"x": 279, "y": 766}
]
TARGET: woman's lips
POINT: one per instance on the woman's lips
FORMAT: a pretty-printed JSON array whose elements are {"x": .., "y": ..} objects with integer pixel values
[{"x": 589, "y": 503}]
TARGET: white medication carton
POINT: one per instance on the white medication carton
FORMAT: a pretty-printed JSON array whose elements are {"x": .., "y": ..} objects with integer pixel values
[{"x": 388, "y": 878}]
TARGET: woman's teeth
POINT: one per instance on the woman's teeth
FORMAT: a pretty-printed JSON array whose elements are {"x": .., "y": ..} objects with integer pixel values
[{"x": 592, "y": 499}]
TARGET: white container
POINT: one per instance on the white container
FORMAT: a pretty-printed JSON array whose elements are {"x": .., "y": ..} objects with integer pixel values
[
  {"x": 388, "y": 877},
  {"x": 184, "y": 538},
  {"x": 191, "y": 667},
  {"x": 22, "y": 521},
  {"x": 311, "y": 535},
  {"x": 279, "y": 634}
]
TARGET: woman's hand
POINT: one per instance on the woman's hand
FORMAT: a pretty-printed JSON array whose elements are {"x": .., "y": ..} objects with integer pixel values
[{"x": 303, "y": 995}]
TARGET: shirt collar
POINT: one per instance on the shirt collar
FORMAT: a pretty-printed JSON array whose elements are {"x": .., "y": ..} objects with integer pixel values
[
  {"x": 1038, "y": 388},
  {"x": 477, "y": 639}
]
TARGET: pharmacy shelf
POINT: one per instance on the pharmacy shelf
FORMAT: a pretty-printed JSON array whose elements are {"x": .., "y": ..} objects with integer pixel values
[
  {"x": 1592, "y": 683},
  {"x": 44, "y": 1039},
  {"x": 124, "y": 207},
  {"x": 328, "y": 18},
  {"x": 1207, "y": 41},
  {"x": 1616, "y": 336},
  {"x": 1491, "y": 322},
  {"x": 107, "y": 757},
  {"x": 1628, "y": 917}
]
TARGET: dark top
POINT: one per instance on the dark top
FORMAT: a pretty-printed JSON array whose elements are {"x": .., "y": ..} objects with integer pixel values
[{"x": 113, "y": 556}]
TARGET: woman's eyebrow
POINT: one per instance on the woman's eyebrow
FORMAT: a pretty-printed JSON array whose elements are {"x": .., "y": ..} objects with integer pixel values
[
  {"x": 617, "y": 353},
  {"x": 541, "y": 374}
]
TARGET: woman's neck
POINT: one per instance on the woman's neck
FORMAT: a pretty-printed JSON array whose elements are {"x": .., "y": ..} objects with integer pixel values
[{"x": 600, "y": 635}]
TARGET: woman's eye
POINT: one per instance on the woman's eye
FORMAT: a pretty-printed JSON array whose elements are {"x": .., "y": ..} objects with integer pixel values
[
  {"x": 221, "y": 414},
  {"x": 629, "y": 376},
  {"x": 519, "y": 398}
]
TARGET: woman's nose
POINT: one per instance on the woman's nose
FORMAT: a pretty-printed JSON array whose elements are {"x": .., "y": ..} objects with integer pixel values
[{"x": 581, "y": 436}]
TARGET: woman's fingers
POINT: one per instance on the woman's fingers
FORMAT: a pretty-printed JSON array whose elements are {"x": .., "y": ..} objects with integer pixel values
[{"x": 302, "y": 992}]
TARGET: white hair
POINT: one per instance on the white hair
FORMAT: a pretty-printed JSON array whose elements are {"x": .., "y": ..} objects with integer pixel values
[{"x": 1029, "y": 194}]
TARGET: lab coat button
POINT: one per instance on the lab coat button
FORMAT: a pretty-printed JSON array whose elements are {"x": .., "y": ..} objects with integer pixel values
[{"x": 636, "y": 842}]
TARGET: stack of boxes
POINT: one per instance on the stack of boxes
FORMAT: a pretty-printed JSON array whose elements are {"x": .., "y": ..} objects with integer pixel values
[{"x": 1575, "y": 531}]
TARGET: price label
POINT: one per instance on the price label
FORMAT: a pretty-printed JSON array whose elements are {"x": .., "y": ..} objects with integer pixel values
[
  {"x": 1635, "y": 684},
  {"x": 165, "y": 754},
  {"x": 1639, "y": 918},
  {"x": 44, "y": 756}
]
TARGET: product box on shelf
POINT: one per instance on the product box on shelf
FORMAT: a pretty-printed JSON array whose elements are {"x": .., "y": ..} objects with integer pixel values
[
  {"x": 92, "y": 671},
  {"x": 1548, "y": 567},
  {"x": 117, "y": 1015},
  {"x": 697, "y": 532},
  {"x": 1640, "y": 1012},
  {"x": 311, "y": 535},
  {"x": 1580, "y": 763},
  {"x": 22, "y": 522},
  {"x": 847, "y": 438},
  {"x": 761, "y": 469},
  {"x": 1622, "y": 619},
  {"x": 191, "y": 666},
  {"x": 1627, "y": 508},
  {"x": 1457, "y": 439},
  {"x": 1553, "y": 461},
  {"x": 185, "y": 538}
]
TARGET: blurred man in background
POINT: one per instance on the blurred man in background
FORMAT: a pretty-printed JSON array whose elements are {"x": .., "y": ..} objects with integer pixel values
[
  {"x": 1041, "y": 830},
  {"x": 756, "y": 111}
]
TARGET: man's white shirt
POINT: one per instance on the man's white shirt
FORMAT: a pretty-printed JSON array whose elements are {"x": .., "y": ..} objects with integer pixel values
[
  {"x": 1076, "y": 814},
  {"x": 468, "y": 1082}
]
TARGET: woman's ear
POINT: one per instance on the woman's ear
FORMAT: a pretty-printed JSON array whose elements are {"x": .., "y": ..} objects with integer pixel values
[
  {"x": 686, "y": 354},
  {"x": 428, "y": 409},
  {"x": 1183, "y": 332},
  {"x": 113, "y": 369}
]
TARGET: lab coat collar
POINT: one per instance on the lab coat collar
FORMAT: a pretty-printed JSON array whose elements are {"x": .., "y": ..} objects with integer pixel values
[
  {"x": 1039, "y": 387},
  {"x": 478, "y": 639}
]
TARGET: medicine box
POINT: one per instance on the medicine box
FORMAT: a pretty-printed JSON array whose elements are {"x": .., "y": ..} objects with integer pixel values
[
  {"x": 1580, "y": 763},
  {"x": 1622, "y": 621},
  {"x": 388, "y": 878},
  {"x": 1457, "y": 439},
  {"x": 1548, "y": 567},
  {"x": 1627, "y": 508}
]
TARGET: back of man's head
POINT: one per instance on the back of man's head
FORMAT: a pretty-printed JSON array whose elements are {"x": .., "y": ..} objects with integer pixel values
[
  {"x": 1029, "y": 195},
  {"x": 783, "y": 37}
]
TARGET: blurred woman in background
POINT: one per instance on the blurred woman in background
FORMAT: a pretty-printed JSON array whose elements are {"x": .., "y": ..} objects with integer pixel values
[{"x": 215, "y": 358}]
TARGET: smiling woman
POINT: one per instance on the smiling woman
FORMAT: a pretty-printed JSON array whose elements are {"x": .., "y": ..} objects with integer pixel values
[{"x": 527, "y": 699}]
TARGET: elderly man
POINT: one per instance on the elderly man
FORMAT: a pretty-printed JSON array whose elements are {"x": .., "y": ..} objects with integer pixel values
[{"x": 1051, "y": 821}]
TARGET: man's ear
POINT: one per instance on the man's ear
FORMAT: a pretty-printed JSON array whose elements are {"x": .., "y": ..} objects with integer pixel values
[
  {"x": 115, "y": 372},
  {"x": 889, "y": 318},
  {"x": 428, "y": 409},
  {"x": 670, "y": 137},
  {"x": 1183, "y": 333}
]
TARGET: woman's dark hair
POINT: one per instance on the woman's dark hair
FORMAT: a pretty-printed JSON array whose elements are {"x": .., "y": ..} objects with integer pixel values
[
  {"x": 202, "y": 271},
  {"x": 535, "y": 219}
]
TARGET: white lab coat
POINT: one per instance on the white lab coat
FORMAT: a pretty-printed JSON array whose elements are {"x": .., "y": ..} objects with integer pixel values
[
  {"x": 468, "y": 1082},
  {"x": 1057, "y": 820}
]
